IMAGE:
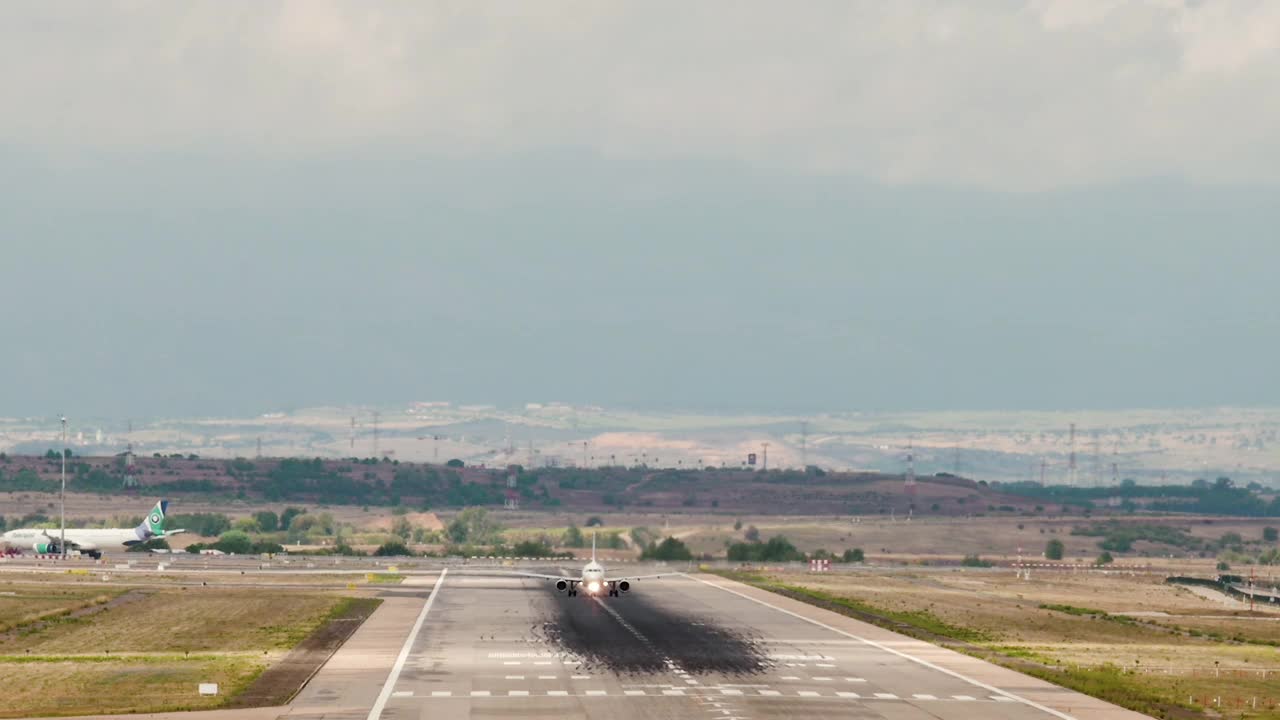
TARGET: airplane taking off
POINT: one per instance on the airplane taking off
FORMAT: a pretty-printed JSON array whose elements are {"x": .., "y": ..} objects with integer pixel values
[
  {"x": 593, "y": 580},
  {"x": 91, "y": 541}
]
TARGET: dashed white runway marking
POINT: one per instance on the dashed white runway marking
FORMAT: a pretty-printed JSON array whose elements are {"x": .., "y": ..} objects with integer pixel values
[
  {"x": 823, "y": 679},
  {"x": 579, "y": 677},
  {"x": 848, "y": 679},
  {"x": 546, "y": 677},
  {"x": 713, "y": 702},
  {"x": 515, "y": 677}
]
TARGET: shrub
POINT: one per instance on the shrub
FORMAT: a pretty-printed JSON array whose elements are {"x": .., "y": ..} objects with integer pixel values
[
  {"x": 854, "y": 555},
  {"x": 668, "y": 549},
  {"x": 1054, "y": 549},
  {"x": 392, "y": 548},
  {"x": 1270, "y": 534}
]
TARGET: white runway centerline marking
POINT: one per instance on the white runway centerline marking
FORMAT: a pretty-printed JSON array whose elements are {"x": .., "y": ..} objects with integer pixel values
[{"x": 375, "y": 713}]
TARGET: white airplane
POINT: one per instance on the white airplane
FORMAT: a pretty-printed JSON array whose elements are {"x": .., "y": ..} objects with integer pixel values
[
  {"x": 91, "y": 541},
  {"x": 593, "y": 580}
]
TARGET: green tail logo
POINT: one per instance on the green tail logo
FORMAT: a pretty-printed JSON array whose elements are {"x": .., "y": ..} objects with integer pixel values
[{"x": 153, "y": 526}]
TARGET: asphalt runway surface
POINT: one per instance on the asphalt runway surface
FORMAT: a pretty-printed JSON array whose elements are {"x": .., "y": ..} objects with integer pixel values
[{"x": 507, "y": 647}]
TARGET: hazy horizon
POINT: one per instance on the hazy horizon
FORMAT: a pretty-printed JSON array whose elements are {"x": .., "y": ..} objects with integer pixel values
[{"x": 372, "y": 204}]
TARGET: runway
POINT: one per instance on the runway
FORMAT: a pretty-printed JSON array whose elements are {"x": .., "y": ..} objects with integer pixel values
[{"x": 491, "y": 646}]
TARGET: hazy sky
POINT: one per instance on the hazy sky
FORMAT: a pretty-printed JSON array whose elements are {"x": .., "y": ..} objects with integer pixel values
[{"x": 212, "y": 208}]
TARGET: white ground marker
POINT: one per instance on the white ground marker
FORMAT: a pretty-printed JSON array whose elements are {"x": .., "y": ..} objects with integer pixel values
[
  {"x": 880, "y": 646},
  {"x": 375, "y": 713}
]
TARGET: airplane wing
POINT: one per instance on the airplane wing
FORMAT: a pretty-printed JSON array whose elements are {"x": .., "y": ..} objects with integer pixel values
[
  {"x": 631, "y": 578},
  {"x": 544, "y": 577}
]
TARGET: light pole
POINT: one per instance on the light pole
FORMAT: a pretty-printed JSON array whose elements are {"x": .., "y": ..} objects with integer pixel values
[{"x": 62, "y": 500}]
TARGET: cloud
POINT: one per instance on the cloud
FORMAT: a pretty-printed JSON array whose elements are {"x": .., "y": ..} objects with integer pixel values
[{"x": 1004, "y": 95}]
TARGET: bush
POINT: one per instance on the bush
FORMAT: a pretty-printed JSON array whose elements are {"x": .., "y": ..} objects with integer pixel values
[
  {"x": 1054, "y": 549},
  {"x": 974, "y": 561},
  {"x": 1270, "y": 534},
  {"x": 668, "y": 549},
  {"x": 392, "y": 548},
  {"x": 532, "y": 548},
  {"x": 1104, "y": 559},
  {"x": 573, "y": 538},
  {"x": 234, "y": 542},
  {"x": 853, "y": 555},
  {"x": 778, "y": 549},
  {"x": 455, "y": 463},
  {"x": 148, "y": 546},
  {"x": 752, "y": 534},
  {"x": 594, "y": 521}
]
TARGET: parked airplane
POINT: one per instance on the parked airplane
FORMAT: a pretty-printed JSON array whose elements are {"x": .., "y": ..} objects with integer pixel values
[
  {"x": 91, "y": 541},
  {"x": 593, "y": 580}
]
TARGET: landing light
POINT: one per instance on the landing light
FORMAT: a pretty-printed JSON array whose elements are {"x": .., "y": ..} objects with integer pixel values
[{"x": 593, "y": 587}]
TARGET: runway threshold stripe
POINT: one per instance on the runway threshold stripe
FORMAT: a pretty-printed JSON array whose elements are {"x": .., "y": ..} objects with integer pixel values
[
  {"x": 375, "y": 713},
  {"x": 880, "y": 646}
]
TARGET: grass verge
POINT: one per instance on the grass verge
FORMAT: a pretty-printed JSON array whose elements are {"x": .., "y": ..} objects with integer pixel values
[{"x": 1107, "y": 682}]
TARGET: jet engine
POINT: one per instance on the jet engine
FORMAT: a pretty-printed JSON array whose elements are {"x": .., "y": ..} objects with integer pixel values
[
  {"x": 562, "y": 585},
  {"x": 46, "y": 548},
  {"x": 623, "y": 586}
]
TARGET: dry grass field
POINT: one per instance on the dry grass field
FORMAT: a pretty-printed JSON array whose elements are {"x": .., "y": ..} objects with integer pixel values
[
  {"x": 1124, "y": 635},
  {"x": 80, "y": 647}
]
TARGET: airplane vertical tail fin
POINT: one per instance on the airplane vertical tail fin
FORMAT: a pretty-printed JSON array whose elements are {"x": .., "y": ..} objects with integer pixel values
[
  {"x": 593, "y": 546},
  {"x": 153, "y": 524}
]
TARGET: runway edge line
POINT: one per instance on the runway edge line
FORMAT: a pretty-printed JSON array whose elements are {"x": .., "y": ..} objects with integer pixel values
[
  {"x": 899, "y": 653},
  {"x": 376, "y": 711}
]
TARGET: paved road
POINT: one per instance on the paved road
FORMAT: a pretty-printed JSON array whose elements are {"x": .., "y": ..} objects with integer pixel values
[{"x": 491, "y": 646}]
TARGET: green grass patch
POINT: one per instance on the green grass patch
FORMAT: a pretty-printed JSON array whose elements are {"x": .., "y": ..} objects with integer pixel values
[
  {"x": 384, "y": 578},
  {"x": 1118, "y": 686}
]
